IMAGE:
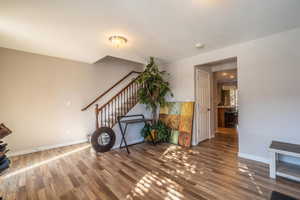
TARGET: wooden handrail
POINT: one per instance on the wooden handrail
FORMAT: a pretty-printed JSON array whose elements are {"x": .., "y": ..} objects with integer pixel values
[
  {"x": 104, "y": 93},
  {"x": 120, "y": 104},
  {"x": 118, "y": 93}
]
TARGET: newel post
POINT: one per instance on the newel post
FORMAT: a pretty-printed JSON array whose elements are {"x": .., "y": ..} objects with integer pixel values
[{"x": 97, "y": 113}]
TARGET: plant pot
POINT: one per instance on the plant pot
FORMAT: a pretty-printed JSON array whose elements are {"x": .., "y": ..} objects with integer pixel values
[
  {"x": 153, "y": 134},
  {"x": 157, "y": 133}
]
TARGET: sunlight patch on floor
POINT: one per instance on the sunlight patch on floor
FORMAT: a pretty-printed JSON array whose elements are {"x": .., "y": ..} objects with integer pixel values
[
  {"x": 19, "y": 171},
  {"x": 178, "y": 155},
  {"x": 244, "y": 169},
  {"x": 151, "y": 182}
]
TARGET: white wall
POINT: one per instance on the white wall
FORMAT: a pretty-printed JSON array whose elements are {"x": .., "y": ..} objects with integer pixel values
[
  {"x": 41, "y": 97},
  {"x": 268, "y": 74},
  {"x": 133, "y": 133}
]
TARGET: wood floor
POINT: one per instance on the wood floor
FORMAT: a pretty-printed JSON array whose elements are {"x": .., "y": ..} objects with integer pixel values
[
  {"x": 208, "y": 171},
  {"x": 231, "y": 131}
]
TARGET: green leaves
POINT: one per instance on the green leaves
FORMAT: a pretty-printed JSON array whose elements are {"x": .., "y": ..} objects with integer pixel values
[
  {"x": 154, "y": 89},
  {"x": 145, "y": 132},
  {"x": 153, "y": 94},
  {"x": 162, "y": 132}
]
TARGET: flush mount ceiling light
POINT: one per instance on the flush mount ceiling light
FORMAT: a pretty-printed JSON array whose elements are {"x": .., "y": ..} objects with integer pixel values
[
  {"x": 232, "y": 76},
  {"x": 118, "y": 41},
  {"x": 199, "y": 45},
  {"x": 224, "y": 74}
]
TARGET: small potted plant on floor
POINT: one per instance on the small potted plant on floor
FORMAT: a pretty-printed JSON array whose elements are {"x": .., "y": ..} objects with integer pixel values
[{"x": 153, "y": 95}]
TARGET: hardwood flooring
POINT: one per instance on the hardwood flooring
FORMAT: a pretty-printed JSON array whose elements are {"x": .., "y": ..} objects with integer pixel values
[
  {"x": 210, "y": 170},
  {"x": 231, "y": 131}
]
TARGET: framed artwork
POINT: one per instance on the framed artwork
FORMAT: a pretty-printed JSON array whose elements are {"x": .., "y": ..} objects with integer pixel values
[{"x": 179, "y": 117}]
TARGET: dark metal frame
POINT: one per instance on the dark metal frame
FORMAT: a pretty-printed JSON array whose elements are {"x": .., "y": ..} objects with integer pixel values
[{"x": 138, "y": 119}]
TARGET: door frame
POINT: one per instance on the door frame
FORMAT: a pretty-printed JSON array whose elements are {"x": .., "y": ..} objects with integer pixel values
[
  {"x": 206, "y": 66},
  {"x": 197, "y": 69}
]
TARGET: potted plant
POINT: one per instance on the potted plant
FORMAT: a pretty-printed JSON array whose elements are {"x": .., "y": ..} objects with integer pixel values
[
  {"x": 158, "y": 131},
  {"x": 153, "y": 95}
]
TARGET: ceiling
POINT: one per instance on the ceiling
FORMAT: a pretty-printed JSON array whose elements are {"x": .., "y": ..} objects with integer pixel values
[
  {"x": 166, "y": 29},
  {"x": 226, "y": 76}
]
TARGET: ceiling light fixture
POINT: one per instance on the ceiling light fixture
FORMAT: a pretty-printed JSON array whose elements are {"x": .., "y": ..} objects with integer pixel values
[
  {"x": 199, "y": 45},
  {"x": 231, "y": 76},
  {"x": 224, "y": 74},
  {"x": 118, "y": 41}
]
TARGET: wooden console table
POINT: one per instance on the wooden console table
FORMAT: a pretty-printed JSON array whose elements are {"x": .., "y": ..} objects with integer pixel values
[{"x": 283, "y": 169}]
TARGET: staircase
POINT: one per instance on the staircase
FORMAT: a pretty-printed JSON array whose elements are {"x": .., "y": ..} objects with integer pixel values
[{"x": 119, "y": 105}]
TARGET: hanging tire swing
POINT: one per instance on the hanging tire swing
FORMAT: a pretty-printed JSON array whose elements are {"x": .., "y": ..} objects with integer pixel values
[{"x": 103, "y": 139}]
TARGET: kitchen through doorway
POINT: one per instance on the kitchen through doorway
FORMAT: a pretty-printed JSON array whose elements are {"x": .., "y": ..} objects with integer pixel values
[{"x": 225, "y": 98}]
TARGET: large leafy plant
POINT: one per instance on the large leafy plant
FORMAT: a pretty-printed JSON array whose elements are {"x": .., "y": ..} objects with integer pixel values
[
  {"x": 155, "y": 88},
  {"x": 158, "y": 132}
]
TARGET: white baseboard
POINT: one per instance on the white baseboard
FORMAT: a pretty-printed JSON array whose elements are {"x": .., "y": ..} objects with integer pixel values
[
  {"x": 255, "y": 158},
  {"x": 43, "y": 148},
  {"x": 47, "y": 147}
]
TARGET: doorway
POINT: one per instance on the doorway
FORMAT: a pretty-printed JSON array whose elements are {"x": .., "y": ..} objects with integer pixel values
[
  {"x": 216, "y": 96},
  {"x": 225, "y": 99}
]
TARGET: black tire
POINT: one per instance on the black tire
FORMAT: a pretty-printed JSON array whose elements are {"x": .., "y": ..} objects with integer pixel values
[
  {"x": 95, "y": 139},
  {"x": 2, "y": 158},
  {"x": 4, "y": 165}
]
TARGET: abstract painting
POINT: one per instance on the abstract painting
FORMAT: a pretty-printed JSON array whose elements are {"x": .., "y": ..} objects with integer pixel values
[{"x": 179, "y": 117}]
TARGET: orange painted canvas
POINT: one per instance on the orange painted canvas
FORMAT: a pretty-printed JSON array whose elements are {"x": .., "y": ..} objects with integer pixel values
[{"x": 179, "y": 117}]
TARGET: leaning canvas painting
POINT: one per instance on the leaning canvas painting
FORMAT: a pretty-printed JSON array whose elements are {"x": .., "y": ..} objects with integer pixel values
[{"x": 179, "y": 117}]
